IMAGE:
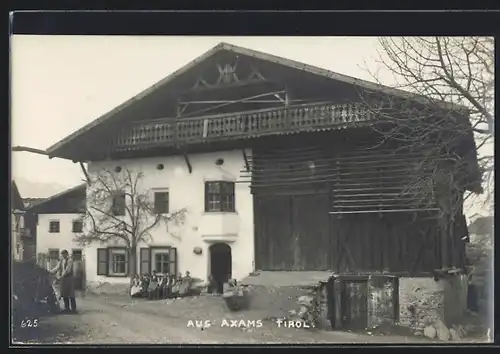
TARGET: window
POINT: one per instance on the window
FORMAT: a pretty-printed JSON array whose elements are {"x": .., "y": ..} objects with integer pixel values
[
  {"x": 163, "y": 260},
  {"x": 77, "y": 226},
  {"x": 219, "y": 196},
  {"x": 54, "y": 226},
  {"x": 118, "y": 207},
  {"x": 117, "y": 262},
  {"x": 161, "y": 202},
  {"x": 76, "y": 254},
  {"x": 53, "y": 257},
  {"x": 112, "y": 262}
]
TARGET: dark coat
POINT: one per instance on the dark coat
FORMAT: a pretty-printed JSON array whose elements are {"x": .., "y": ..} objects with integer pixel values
[{"x": 64, "y": 270}]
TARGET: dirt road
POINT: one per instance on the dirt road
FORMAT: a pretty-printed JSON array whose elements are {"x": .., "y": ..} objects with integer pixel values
[{"x": 120, "y": 321}]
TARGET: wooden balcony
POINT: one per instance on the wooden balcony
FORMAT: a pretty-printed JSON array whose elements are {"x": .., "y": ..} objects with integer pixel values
[{"x": 239, "y": 125}]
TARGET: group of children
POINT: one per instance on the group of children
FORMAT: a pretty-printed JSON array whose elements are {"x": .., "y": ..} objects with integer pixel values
[{"x": 157, "y": 286}]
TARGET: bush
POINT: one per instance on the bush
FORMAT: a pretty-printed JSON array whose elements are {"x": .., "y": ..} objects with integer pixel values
[{"x": 32, "y": 292}]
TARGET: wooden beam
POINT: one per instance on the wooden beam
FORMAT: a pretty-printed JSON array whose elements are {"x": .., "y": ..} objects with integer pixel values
[
  {"x": 233, "y": 102},
  {"x": 188, "y": 163},
  {"x": 245, "y": 157},
  {"x": 382, "y": 211},
  {"x": 28, "y": 149},
  {"x": 85, "y": 173}
]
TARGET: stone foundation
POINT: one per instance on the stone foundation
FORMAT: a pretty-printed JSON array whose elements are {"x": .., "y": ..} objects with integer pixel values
[
  {"x": 106, "y": 288},
  {"x": 280, "y": 294},
  {"x": 423, "y": 301}
]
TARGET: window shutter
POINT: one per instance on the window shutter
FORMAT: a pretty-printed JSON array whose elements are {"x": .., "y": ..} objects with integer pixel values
[
  {"x": 127, "y": 261},
  {"x": 157, "y": 203},
  {"x": 102, "y": 261},
  {"x": 172, "y": 254},
  {"x": 145, "y": 265},
  {"x": 206, "y": 195}
]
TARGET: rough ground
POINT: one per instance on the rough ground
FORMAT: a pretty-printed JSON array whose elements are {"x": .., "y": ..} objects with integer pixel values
[{"x": 114, "y": 320}]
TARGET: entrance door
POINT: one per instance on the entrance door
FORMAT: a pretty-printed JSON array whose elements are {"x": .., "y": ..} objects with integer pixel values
[{"x": 220, "y": 264}]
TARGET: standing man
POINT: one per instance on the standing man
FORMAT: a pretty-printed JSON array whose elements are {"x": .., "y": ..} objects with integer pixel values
[{"x": 64, "y": 273}]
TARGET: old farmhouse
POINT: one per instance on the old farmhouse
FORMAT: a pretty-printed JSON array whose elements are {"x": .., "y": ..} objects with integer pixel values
[{"x": 282, "y": 166}]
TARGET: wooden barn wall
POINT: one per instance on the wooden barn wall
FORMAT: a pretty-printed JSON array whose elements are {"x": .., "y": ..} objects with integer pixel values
[
  {"x": 296, "y": 189},
  {"x": 396, "y": 243},
  {"x": 291, "y": 232}
]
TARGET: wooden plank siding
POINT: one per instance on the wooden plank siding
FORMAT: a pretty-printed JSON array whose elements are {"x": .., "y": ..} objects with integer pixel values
[
  {"x": 288, "y": 230},
  {"x": 394, "y": 243},
  {"x": 295, "y": 192}
]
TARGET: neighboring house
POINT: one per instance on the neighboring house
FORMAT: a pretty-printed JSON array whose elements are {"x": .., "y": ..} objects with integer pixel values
[
  {"x": 275, "y": 162},
  {"x": 17, "y": 223},
  {"x": 54, "y": 222}
]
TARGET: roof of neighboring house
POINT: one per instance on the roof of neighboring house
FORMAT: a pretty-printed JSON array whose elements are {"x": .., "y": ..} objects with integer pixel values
[
  {"x": 366, "y": 85},
  {"x": 16, "y": 200},
  {"x": 483, "y": 225},
  {"x": 41, "y": 203},
  {"x": 29, "y": 202}
]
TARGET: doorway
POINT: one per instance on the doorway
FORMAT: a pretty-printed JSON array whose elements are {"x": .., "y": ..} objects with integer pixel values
[
  {"x": 288, "y": 230},
  {"x": 220, "y": 265}
]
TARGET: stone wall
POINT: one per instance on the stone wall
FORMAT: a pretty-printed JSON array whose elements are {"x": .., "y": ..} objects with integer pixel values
[
  {"x": 281, "y": 294},
  {"x": 423, "y": 301},
  {"x": 107, "y": 288}
]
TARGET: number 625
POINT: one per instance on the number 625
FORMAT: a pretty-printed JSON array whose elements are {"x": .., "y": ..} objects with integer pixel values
[{"x": 29, "y": 323}]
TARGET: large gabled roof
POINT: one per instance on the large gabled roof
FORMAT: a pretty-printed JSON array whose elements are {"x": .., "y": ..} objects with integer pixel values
[
  {"x": 367, "y": 85},
  {"x": 37, "y": 206}
]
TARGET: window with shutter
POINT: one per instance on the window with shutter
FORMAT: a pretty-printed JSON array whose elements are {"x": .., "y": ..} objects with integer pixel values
[
  {"x": 173, "y": 261},
  {"x": 161, "y": 202},
  {"x": 102, "y": 261},
  {"x": 117, "y": 262},
  {"x": 163, "y": 260}
]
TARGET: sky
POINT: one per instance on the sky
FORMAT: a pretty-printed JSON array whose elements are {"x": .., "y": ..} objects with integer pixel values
[{"x": 61, "y": 83}]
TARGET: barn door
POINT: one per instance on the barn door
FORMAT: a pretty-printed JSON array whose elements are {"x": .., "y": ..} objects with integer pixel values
[
  {"x": 273, "y": 233},
  {"x": 292, "y": 232},
  {"x": 310, "y": 225},
  {"x": 355, "y": 304}
]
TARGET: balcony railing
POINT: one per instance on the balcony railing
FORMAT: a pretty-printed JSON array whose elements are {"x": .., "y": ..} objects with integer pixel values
[{"x": 287, "y": 119}]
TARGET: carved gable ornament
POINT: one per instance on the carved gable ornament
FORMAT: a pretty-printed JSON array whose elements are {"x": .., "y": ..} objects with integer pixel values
[{"x": 227, "y": 76}]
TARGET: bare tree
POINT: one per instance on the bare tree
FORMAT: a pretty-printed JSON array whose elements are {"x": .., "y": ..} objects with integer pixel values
[
  {"x": 452, "y": 79},
  {"x": 119, "y": 209}
]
